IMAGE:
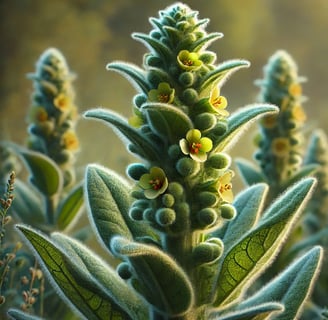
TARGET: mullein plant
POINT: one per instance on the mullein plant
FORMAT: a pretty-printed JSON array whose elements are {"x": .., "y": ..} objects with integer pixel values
[
  {"x": 282, "y": 159},
  {"x": 52, "y": 199},
  {"x": 187, "y": 248}
]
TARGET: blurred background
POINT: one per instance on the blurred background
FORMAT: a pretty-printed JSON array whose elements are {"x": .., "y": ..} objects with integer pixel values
[{"x": 92, "y": 33}]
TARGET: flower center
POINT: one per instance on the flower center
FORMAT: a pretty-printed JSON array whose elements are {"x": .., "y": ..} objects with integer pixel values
[
  {"x": 225, "y": 187},
  {"x": 163, "y": 97},
  {"x": 156, "y": 183},
  {"x": 195, "y": 146},
  {"x": 188, "y": 62}
]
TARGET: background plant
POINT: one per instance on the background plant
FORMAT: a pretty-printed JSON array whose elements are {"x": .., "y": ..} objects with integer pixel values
[
  {"x": 180, "y": 224},
  {"x": 52, "y": 198}
]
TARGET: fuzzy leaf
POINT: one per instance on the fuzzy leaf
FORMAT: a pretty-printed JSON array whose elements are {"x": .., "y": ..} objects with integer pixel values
[
  {"x": 204, "y": 42},
  {"x": 246, "y": 260},
  {"x": 69, "y": 207},
  {"x": 292, "y": 286},
  {"x": 219, "y": 75},
  {"x": 79, "y": 288},
  {"x": 164, "y": 284},
  {"x": 45, "y": 175},
  {"x": 118, "y": 289},
  {"x": 109, "y": 200},
  {"x": 239, "y": 121},
  {"x": 147, "y": 148},
  {"x": 254, "y": 312},
  {"x": 249, "y": 204},
  {"x": 249, "y": 173},
  {"x": 167, "y": 121},
  {"x": 15, "y": 314},
  {"x": 304, "y": 171},
  {"x": 154, "y": 45},
  {"x": 136, "y": 75},
  {"x": 27, "y": 204}
]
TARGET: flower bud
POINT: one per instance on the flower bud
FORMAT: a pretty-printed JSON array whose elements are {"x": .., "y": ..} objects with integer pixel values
[
  {"x": 187, "y": 166},
  {"x": 228, "y": 211},
  {"x": 207, "y": 217},
  {"x": 219, "y": 161},
  {"x": 136, "y": 170},
  {"x": 205, "y": 121},
  {"x": 165, "y": 216}
]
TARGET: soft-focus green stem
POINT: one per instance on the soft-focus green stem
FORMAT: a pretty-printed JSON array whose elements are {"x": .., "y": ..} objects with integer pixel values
[{"x": 51, "y": 205}]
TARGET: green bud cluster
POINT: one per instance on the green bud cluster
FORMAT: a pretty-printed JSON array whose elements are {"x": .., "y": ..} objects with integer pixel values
[
  {"x": 281, "y": 139},
  {"x": 53, "y": 115}
]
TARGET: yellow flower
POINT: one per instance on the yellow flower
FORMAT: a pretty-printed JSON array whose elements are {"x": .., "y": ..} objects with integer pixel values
[
  {"x": 280, "y": 147},
  {"x": 298, "y": 113},
  {"x": 154, "y": 183},
  {"x": 224, "y": 187},
  {"x": 70, "y": 140},
  {"x": 37, "y": 114},
  {"x": 295, "y": 89},
  {"x": 62, "y": 102},
  {"x": 189, "y": 60},
  {"x": 218, "y": 103},
  {"x": 164, "y": 93}
]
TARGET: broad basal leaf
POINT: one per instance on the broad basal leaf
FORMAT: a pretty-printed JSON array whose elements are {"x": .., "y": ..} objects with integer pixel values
[
  {"x": 69, "y": 207},
  {"x": 245, "y": 261},
  {"x": 111, "y": 283},
  {"x": 249, "y": 204},
  {"x": 146, "y": 147},
  {"x": 163, "y": 283},
  {"x": 167, "y": 121},
  {"x": 79, "y": 288},
  {"x": 45, "y": 175},
  {"x": 292, "y": 286},
  {"x": 27, "y": 204},
  {"x": 239, "y": 121},
  {"x": 15, "y": 314},
  {"x": 109, "y": 200}
]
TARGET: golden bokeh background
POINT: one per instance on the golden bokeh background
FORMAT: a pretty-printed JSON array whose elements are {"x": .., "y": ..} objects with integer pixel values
[{"x": 92, "y": 33}]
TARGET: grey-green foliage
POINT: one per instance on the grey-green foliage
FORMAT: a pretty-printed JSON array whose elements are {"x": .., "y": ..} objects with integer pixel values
[{"x": 187, "y": 248}]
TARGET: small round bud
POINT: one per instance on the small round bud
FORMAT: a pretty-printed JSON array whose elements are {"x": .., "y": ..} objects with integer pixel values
[
  {"x": 136, "y": 213},
  {"x": 165, "y": 216},
  {"x": 190, "y": 96},
  {"x": 136, "y": 170},
  {"x": 124, "y": 270},
  {"x": 168, "y": 200},
  {"x": 220, "y": 128},
  {"x": 139, "y": 100},
  {"x": 149, "y": 215},
  {"x": 207, "y": 252},
  {"x": 176, "y": 189},
  {"x": 174, "y": 152},
  {"x": 219, "y": 161},
  {"x": 205, "y": 121},
  {"x": 186, "y": 78},
  {"x": 228, "y": 211},
  {"x": 207, "y": 217},
  {"x": 207, "y": 199},
  {"x": 187, "y": 166}
]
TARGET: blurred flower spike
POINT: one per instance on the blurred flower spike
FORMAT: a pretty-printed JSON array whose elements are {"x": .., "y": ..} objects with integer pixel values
[
  {"x": 164, "y": 93},
  {"x": 196, "y": 146},
  {"x": 189, "y": 60},
  {"x": 218, "y": 102},
  {"x": 154, "y": 183}
]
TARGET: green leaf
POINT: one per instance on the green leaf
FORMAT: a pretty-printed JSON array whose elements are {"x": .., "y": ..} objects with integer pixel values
[
  {"x": 154, "y": 45},
  {"x": 239, "y": 121},
  {"x": 147, "y": 147},
  {"x": 163, "y": 283},
  {"x": 20, "y": 315},
  {"x": 253, "y": 312},
  {"x": 109, "y": 200},
  {"x": 167, "y": 121},
  {"x": 118, "y": 289},
  {"x": 304, "y": 171},
  {"x": 78, "y": 286},
  {"x": 249, "y": 172},
  {"x": 204, "y": 42},
  {"x": 27, "y": 205},
  {"x": 256, "y": 250},
  {"x": 249, "y": 204},
  {"x": 219, "y": 75},
  {"x": 69, "y": 207},
  {"x": 132, "y": 72},
  {"x": 292, "y": 287},
  {"x": 45, "y": 175}
]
